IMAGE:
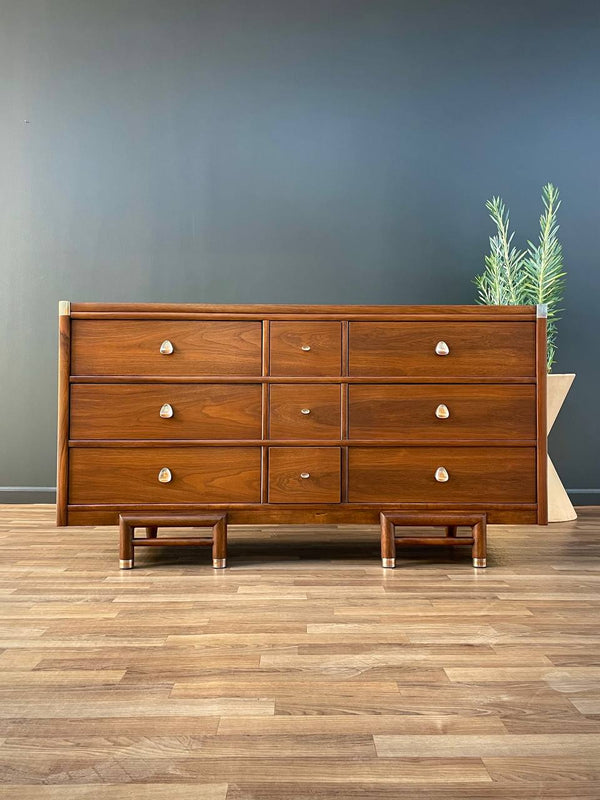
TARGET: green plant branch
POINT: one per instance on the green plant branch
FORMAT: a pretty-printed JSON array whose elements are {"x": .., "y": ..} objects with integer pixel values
[{"x": 525, "y": 277}]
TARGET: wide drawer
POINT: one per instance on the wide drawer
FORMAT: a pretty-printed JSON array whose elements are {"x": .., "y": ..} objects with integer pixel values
[
  {"x": 305, "y": 348},
  {"x": 304, "y": 411},
  {"x": 442, "y": 412},
  {"x": 304, "y": 474},
  {"x": 474, "y": 474},
  {"x": 133, "y": 347},
  {"x": 475, "y": 349},
  {"x": 197, "y": 475},
  {"x": 165, "y": 411}
]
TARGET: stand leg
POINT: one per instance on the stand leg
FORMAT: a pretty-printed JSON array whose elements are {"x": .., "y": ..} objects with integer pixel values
[
  {"x": 479, "y": 544},
  {"x": 151, "y": 532},
  {"x": 451, "y": 530},
  {"x": 388, "y": 543},
  {"x": 219, "y": 550},
  {"x": 125, "y": 545}
]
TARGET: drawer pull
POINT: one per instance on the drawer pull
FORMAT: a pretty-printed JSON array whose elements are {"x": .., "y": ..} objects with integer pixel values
[
  {"x": 442, "y": 411},
  {"x": 305, "y": 347},
  {"x": 164, "y": 476},
  {"x": 166, "y": 411},
  {"x": 166, "y": 348},
  {"x": 305, "y": 475},
  {"x": 442, "y": 349},
  {"x": 305, "y": 410},
  {"x": 441, "y": 475}
]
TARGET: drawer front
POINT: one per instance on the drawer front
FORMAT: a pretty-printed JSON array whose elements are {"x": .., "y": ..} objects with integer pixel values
[
  {"x": 133, "y": 347},
  {"x": 476, "y": 349},
  {"x": 306, "y": 348},
  {"x": 444, "y": 411},
  {"x": 198, "y": 475},
  {"x": 165, "y": 411},
  {"x": 304, "y": 474},
  {"x": 304, "y": 411},
  {"x": 475, "y": 474}
]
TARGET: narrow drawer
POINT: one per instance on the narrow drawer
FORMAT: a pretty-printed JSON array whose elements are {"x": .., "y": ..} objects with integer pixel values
[
  {"x": 442, "y": 412},
  {"x": 133, "y": 347},
  {"x": 198, "y": 475},
  {"x": 304, "y": 411},
  {"x": 306, "y": 348},
  {"x": 304, "y": 474},
  {"x": 475, "y": 349},
  {"x": 475, "y": 474},
  {"x": 165, "y": 411}
]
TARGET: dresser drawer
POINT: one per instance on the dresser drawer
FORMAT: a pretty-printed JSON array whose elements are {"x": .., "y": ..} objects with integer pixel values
[
  {"x": 476, "y": 349},
  {"x": 475, "y": 474},
  {"x": 304, "y": 474},
  {"x": 305, "y": 348},
  {"x": 198, "y": 475},
  {"x": 443, "y": 411},
  {"x": 165, "y": 411},
  {"x": 133, "y": 347},
  {"x": 304, "y": 411}
]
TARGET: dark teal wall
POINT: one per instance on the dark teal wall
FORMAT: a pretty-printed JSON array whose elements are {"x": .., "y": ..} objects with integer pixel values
[{"x": 267, "y": 150}]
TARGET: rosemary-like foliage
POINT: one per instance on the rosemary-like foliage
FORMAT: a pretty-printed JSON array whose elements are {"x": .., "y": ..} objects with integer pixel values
[
  {"x": 525, "y": 277},
  {"x": 543, "y": 272},
  {"x": 501, "y": 282}
]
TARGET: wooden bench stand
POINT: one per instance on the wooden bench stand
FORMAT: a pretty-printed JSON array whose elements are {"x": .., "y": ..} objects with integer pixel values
[
  {"x": 129, "y": 522},
  {"x": 450, "y": 521}
]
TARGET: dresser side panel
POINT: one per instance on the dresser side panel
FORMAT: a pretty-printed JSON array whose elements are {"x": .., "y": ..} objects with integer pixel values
[{"x": 62, "y": 449}]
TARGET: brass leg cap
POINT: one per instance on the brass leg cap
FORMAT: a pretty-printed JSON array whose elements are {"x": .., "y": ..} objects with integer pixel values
[
  {"x": 219, "y": 563},
  {"x": 126, "y": 563},
  {"x": 388, "y": 563},
  {"x": 479, "y": 562}
]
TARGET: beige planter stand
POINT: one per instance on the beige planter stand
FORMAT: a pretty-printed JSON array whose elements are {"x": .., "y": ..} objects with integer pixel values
[{"x": 560, "y": 508}]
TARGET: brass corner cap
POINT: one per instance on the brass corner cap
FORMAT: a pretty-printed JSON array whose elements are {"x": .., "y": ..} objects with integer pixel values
[
  {"x": 541, "y": 310},
  {"x": 64, "y": 308}
]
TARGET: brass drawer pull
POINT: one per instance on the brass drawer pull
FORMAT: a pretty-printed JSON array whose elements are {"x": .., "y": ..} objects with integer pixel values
[
  {"x": 166, "y": 348},
  {"x": 164, "y": 476},
  {"x": 442, "y": 411},
  {"x": 441, "y": 475},
  {"x": 305, "y": 475},
  {"x": 305, "y": 410},
  {"x": 442, "y": 349},
  {"x": 305, "y": 347},
  {"x": 166, "y": 411}
]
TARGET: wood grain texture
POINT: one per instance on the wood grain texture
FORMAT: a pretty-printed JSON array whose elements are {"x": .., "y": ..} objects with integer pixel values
[
  {"x": 288, "y": 358},
  {"x": 131, "y": 411},
  {"x": 384, "y": 411},
  {"x": 301, "y": 513},
  {"x": 240, "y": 377},
  {"x": 490, "y": 474},
  {"x": 286, "y": 406},
  {"x": 320, "y": 465},
  {"x": 232, "y": 379},
  {"x": 291, "y": 310},
  {"x": 304, "y": 671},
  {"x": 476, "y": 349},
  {"x": 131, "y": 347},
  {"x": 62, "y": 429},
  {"x": 199, "y": 475},
  {"x": 541, "y": 420}
]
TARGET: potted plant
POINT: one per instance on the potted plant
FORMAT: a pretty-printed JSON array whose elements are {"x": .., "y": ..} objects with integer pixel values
[{"x": 531, "y": 277}]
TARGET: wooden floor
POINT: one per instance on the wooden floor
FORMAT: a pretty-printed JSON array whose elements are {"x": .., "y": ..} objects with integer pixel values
[{"x": 302, "y": 671}]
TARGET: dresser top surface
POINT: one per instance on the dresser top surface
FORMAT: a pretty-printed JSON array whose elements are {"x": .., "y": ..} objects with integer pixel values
[{"x": 303, "y": 310}]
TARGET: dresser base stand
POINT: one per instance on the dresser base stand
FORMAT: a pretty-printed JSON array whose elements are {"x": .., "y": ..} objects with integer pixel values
[
  {"x": 450, "y": 521},
  {"x": 129, "y": 522}
]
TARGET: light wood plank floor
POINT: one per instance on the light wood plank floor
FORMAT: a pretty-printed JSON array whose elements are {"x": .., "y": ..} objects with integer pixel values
[{"x": 302, "y": 671}]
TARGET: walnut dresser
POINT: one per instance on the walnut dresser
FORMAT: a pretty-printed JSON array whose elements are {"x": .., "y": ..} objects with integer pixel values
[{"x": 300, "y": 414}]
